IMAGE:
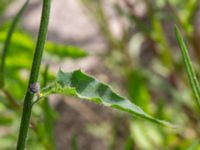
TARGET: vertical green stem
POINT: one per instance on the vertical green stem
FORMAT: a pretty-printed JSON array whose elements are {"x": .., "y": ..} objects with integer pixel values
[
  {"x": 7, "y": 43},
  {"x": 27, "y": 108},
  {"x": 48, "y": 116},
  {"x": 11, "y": 99}
]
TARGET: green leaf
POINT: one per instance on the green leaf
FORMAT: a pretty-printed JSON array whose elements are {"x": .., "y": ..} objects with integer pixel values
[
  {"x": 23, "y": 43},
  {"x": 128, "y": 144},
  {"x": 194, "y": 145},
  {"x": 74, "y": 142},
  {"x": 64, "y": 50},
  {"x": 188, "y": 66},
  {"x": 137, "y": 89},
  {"x": 86, "y": 87},
  {"x": 4, "y": 4}
]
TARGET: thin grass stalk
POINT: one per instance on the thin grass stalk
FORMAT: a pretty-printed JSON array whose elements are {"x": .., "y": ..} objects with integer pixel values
[
  {"x": 188, "y": 66},
  {"x": 48, "y": 115},
  {"x": 8, "y": 41}
]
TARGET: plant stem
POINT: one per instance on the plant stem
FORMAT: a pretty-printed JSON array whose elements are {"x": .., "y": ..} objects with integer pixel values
[
  {"x": 7, "y": 43},
  {"x": 11, "y": 30},
  {"x": 11, "y": 99},
  {"x": 27, "y": 108},
  {"x": 49, "y": 117}
]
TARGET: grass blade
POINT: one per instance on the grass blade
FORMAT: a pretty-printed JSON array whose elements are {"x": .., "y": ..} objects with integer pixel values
[
  {"x": 188, "y": 66},
  {"x": 7, "y": 43}
]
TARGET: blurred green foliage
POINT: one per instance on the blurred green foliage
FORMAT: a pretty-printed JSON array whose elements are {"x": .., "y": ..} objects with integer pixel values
[
  {"x": 4, "y": 4},
  {"x": 153, "y": 73},
  {"x": 18, "y": 64}
]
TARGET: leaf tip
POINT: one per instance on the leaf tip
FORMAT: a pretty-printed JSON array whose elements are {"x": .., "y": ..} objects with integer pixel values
[
  {"x": 176, "y": 27},
  {"x": 171, "y": 125},
  {"x": 78, "y": 71},
  {"x": 60, "y": 70},
  {"x": 176, "y": 30}
]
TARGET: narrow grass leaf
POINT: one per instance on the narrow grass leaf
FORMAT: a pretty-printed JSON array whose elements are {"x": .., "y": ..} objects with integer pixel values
[{"x": 188, "y": 66}]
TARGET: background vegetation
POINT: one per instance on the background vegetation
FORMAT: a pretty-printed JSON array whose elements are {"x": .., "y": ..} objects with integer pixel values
[{"x": 143, "y": 62}]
